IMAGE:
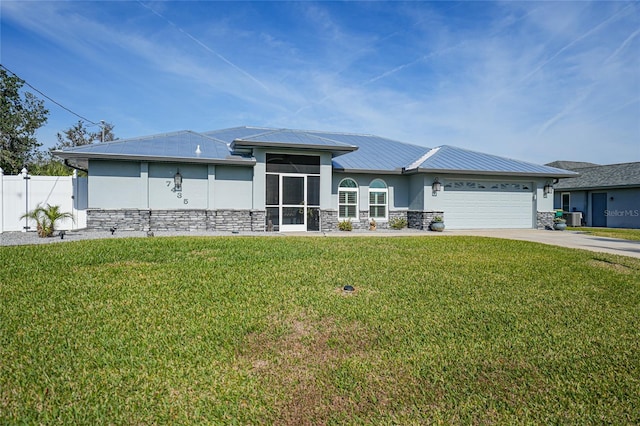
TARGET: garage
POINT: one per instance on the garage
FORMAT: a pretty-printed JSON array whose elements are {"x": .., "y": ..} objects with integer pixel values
[{"x": 472, "y": 204}]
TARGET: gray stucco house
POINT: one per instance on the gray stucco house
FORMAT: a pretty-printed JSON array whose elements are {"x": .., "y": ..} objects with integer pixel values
[
  {"x": 263, "y": 179},
  {"x": 606, "y": 195}
]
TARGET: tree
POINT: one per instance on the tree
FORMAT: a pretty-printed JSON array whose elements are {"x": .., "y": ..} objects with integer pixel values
[
  {"x": 79, "y": 135},
  {"x": 45, "y": 164},
  {"x": 21, "y": 114}
]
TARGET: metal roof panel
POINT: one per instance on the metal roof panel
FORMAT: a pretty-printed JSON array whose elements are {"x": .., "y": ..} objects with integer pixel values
[
  {"x": 177, "y": 145},
  {"x": 452, "y": 158},
  {"x": 376, "y": 153}
]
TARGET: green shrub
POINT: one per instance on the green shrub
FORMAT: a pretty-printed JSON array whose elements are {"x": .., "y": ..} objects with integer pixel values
[
  {"x": 46, "y": 218},
  {"x": 345, "y": 225},
  {"x": 397, "y": 223}
]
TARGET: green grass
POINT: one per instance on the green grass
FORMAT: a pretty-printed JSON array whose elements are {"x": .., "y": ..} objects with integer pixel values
[
  {"x": 624, "y": 234},
  {"x": 257, "y": 330}
]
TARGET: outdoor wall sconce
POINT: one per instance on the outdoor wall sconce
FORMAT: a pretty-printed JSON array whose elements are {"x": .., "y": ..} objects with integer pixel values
[
  {"x": 177, "y": 181},
  {"x": 435, "y": 187},
  {"x": 548, "y": 189}
]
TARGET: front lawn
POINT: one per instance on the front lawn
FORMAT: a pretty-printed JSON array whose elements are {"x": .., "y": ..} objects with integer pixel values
[
  {"x": 621, "y": 233},
  {"x": 259, "y": 330}
]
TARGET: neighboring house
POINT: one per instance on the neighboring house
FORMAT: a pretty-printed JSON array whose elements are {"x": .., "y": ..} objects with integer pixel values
[
  {"x": 606, "y": 195},
  {"x": 261, "y": 179}
]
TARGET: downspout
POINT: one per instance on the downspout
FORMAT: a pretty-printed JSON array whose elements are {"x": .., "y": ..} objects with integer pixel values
[{"x": 66, "y": 163}]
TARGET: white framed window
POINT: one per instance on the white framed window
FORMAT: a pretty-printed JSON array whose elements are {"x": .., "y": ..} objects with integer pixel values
[
  {"x": 347, "y": 199},
  {"x": 378, "y": 199}
]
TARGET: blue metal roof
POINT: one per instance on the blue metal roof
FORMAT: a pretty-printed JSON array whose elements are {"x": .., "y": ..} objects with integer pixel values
[
  {"x": 356, "y": 153},
  {"x": 377, "y": 154},
  {"x": 182, "y": 145},
  {"x": 453, "y": 159},
  {"x": 229, "y": 135}
]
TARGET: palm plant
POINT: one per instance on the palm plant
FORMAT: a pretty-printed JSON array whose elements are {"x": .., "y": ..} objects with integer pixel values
[{"x": 46, "y": 218}]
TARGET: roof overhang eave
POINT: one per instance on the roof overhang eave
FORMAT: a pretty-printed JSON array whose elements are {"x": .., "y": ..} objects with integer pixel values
[
  {"x": 368, "y": 171},
  {"x": 334, "y": 149},
  {"x": 154, "y": 158},
  {"x": 597, "y": 188},
  {"x": 490, "y": 173}
]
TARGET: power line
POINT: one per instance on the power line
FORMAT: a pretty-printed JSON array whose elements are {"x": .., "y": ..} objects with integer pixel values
[{"x": 55, "y": 102}]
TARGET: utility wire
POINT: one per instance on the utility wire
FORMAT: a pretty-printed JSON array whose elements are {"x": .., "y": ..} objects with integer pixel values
[{"x": 55, "y": 102}]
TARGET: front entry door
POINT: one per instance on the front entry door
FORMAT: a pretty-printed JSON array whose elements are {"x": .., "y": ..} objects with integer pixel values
[
  {"x": 599, "y": 209},
  {"x": 293, "y": 203}
]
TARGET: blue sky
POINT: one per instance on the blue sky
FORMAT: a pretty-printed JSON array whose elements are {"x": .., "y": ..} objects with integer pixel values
[{"x": 535, "y": 81}]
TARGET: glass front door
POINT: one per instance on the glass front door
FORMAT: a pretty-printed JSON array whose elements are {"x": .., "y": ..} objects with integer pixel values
[{"x": 293, "y": 202}]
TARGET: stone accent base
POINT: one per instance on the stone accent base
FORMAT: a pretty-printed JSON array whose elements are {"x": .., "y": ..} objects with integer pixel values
[
  {"x": 124, "y": 220},
  {"x": 176, "y": 220},
  {"x": 544, "y": 220},
  {"x": 258, "y": 220},
  {"x": 422, "y": 219},
  {"x": 239, "y": 220},
  {"x": 242, "y": 220},
  {"x": 328, "y": 220}
]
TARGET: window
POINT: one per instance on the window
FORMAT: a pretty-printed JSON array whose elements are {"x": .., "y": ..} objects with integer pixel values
[
  {"x": 378, "y": 199},
  {"x": 464, "y": 185},
  {"x": 348, "y": 199},
  {"x": 283, "y": 163}
]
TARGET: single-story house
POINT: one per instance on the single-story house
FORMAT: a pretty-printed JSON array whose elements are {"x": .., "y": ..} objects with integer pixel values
[
  {"x": 264, "y": 179},
  {"x": 605, "y": 195}
]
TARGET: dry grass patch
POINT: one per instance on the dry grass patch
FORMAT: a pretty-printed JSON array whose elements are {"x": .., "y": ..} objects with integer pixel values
[
  {"x": 609, "y": 265},
  {"x": 305, "y": 361}
]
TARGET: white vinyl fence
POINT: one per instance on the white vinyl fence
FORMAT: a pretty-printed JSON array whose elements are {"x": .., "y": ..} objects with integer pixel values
[{"x": 22, "y": 193}]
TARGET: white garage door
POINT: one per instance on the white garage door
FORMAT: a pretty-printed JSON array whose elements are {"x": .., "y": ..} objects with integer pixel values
[{"x": 484, "y": 204}]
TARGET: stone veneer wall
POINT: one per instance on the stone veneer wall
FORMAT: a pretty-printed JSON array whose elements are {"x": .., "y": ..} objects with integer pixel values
[
  {"x": 124, "y": 220},
  {"x": 238, "y": 220},
  {"x": 328, "y": 220},
  {"x": 544, "y": 220},
  {"x": 418, "y": 219},
  {"x": 244, "y": 220},
  {"x": 415, "y": 219},
  {"x": 176, "y": 220}
]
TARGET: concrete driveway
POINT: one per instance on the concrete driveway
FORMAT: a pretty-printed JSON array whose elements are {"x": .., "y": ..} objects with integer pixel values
[{"x": 571, "y": 239}]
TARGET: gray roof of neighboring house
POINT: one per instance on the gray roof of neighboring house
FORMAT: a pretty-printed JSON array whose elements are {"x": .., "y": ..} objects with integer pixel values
[
  {"x": 571, "y": 165},
  {"x": 608, "y": 176},
  {"x": 356, "y": 153}
]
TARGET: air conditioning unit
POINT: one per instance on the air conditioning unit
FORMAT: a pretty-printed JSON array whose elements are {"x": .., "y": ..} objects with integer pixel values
[{"x": 573, "y": 218}]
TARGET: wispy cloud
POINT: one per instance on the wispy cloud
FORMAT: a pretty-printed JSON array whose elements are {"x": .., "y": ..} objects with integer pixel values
[
  {"x": 623, "y": 46},
  {"x": 207, "y": 48}
]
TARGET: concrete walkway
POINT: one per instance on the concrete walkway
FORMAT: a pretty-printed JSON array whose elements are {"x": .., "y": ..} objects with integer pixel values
[{"x": 570, "y": 239}]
